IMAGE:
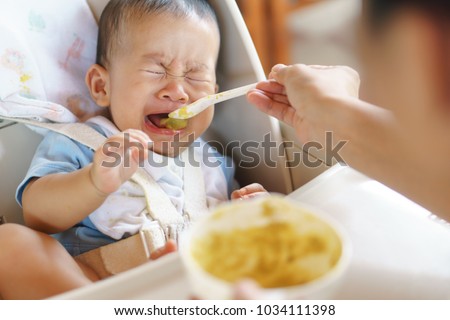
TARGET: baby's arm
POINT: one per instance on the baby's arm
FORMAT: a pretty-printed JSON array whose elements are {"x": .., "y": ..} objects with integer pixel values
[
  {"x": 56, "y": 202},
  {"x": 248, "y": 192}
]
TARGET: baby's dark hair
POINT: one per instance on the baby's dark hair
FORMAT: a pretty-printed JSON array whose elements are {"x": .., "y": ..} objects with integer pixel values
[
  {"x": 379, "y": 11},
  {"x": 118, "y": 13}
]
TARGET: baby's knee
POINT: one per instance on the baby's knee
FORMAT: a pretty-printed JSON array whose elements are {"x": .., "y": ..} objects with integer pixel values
[
  {"x": 15, "y": 239},
  {"x": 12, "y": 229}
]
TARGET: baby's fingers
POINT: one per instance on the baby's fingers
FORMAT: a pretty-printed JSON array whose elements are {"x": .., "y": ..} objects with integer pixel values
[
  {"x": 249, "y": 191},
  {"x": 252, "y": 188},
  {"x": 140, "y": 136},
  {"x": 168, "y": 248},
  {"x": 138, "y": 141}
]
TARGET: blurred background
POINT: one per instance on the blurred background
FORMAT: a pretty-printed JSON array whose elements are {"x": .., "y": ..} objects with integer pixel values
[{"x": 303, "y": 31}]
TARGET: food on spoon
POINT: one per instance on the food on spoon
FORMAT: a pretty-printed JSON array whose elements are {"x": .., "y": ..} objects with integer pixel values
[
  {"x": 183, "y": 113},
  {"x": 174, "y": 124}
]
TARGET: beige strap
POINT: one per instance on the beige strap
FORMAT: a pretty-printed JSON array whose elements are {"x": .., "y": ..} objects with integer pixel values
[
  {"x": 159, "y": 205},
  {"x": 152, "y": 238},
  {"x": 77, "y": 131},
  {"x": 195, "y": 203},
  {"x": 116, "y": 257}
]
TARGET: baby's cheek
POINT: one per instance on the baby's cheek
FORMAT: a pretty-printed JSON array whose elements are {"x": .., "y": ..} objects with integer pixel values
[
  {"x": 199, "y": 124},
  {"x": 206, "y": 117},
  {"x": 206, "y": 90}
]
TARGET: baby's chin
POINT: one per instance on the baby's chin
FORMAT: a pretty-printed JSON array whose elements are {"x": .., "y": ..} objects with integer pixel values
[
  {"x": 173, "y": 148},
  {"x": 165, "y": 151}
]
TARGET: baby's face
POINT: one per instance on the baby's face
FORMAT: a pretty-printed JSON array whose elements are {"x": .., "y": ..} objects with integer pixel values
[{"x": 163, "y": 64}]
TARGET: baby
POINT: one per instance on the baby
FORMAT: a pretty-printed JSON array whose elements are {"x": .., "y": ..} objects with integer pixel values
[{"x": 153, "y": 57}]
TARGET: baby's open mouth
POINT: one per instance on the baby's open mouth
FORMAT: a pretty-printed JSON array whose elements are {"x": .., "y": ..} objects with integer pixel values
[{"x": 163, "y": 121}]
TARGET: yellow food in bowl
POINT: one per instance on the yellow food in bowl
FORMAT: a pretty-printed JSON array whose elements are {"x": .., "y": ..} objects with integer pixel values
[{"x": 272, "y": 241}]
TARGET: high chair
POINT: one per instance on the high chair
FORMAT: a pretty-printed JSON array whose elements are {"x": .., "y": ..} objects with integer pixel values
[{"x": 44, "y": 54}]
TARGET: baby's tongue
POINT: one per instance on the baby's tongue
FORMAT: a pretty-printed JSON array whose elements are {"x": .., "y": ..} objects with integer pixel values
[
  {"x": 164, "y": 122},
  {"x": 156, "y": 119}
]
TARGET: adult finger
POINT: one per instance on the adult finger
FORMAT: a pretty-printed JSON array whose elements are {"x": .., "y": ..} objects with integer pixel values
[
  {"x": 282, "y": 74},
  {"x": 277, "y": 68},
  {"x": 282, "y": 98},
  {"x": 282, "y": 111},
  {"x": 271, "y": 86}
]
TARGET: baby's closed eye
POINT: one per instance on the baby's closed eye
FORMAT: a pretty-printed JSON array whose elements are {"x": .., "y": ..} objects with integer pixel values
[{"x": 155, "y": 73}]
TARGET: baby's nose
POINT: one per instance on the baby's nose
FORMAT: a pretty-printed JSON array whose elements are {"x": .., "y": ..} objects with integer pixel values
[{"x": 175, "y": 92}]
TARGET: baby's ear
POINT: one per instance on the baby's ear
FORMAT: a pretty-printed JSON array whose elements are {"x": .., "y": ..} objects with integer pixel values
[
  {"x": 217, "y": 88},
  {"x": 97, "y": 81}
]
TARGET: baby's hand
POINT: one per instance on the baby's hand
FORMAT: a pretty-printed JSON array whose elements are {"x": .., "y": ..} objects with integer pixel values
[
  {"x": 250, "y": 191},
  {"x": 169, "y": 248},
  {"x": 118, "y": 159}
]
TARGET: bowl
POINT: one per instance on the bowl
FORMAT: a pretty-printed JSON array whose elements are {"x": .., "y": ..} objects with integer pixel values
[{"x": 289, "y": 249}]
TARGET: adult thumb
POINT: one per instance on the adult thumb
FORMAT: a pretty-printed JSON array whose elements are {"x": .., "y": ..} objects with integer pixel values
[{"x": 277, "y": 73}]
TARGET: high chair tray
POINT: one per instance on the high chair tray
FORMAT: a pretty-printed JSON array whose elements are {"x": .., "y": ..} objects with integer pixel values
[{"x": 400, "y": 250}]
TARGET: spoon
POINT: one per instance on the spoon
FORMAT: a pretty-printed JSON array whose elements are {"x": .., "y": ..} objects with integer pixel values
[{"x": 193, "y": 109}]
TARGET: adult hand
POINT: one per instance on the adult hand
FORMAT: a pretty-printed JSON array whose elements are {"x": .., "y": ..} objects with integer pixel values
[{"x": 304, "y": 96}]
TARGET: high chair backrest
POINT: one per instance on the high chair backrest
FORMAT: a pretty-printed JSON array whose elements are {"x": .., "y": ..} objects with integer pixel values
[
  {"x": 236, "y": 123},
  {"x": 46, "y": 48}
]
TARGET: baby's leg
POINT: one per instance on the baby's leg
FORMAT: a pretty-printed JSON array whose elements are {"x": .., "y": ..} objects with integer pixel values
[{"x": 33, "y": 265}]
